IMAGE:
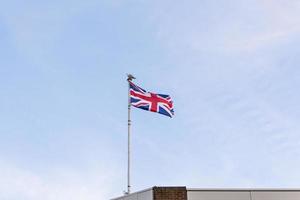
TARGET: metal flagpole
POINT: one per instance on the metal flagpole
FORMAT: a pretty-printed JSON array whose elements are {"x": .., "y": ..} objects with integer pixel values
[{"x": 129, "y": 78}]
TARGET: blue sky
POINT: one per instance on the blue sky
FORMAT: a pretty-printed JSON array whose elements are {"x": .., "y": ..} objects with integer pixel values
[{"x": 230, "y": 66}]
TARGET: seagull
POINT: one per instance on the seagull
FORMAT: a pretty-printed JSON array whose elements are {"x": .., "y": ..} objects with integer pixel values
[{"x": 130, "y": 77}]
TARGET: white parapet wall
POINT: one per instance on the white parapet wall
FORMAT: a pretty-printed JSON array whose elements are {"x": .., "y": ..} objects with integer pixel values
[{"x": 243, "y": 194}]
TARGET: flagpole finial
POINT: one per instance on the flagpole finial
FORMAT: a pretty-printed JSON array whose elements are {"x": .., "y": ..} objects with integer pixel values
[{"x": 130, "y": 77}]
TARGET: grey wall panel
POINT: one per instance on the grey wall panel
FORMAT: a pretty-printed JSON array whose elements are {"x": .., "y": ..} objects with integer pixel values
[
  {"x": 129, "y": 197},
  {"x": 142, "y": 195},
  {"x": 218, "y": 195},
  {"x": 276, "y": 195}
]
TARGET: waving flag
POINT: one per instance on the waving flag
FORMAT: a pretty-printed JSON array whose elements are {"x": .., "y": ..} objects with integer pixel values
[{"x": 159, "y": 103}]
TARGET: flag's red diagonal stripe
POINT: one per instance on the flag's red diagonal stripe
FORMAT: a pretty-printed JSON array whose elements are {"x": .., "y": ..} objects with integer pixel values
[{"x": 154, "y": 99}]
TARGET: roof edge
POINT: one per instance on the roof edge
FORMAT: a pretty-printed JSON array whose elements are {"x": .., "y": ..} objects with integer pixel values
[{"x": 244, "y": 189}]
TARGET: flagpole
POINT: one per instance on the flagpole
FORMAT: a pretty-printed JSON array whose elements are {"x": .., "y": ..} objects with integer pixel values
[{"x": 129, "y": 78}]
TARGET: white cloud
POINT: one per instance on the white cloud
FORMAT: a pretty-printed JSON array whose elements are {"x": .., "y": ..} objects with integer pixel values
[
  {"x": 65, "y": 183},
  {"x": 232, "y": 92},
  {"x": 231, "y": 26}
]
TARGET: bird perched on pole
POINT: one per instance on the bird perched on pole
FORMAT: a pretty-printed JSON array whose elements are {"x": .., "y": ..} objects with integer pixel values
[{"x": 130, "y": 77}]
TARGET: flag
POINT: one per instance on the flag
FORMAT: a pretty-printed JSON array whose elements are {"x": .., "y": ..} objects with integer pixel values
[{"x": 142, "y": 99}]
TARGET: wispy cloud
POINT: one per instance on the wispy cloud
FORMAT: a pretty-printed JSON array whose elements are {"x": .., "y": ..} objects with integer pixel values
[
  {"x": 235, "y": 92},
  {"x": 228, "y": 27},
  {"x": 56, "y": 184},
  {"x": 231, "y": 67}
]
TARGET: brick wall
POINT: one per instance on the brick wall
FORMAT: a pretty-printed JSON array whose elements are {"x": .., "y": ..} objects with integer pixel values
[{"x": 169, "y": 193}]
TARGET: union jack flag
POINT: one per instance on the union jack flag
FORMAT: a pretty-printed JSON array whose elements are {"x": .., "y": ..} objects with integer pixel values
[{"x": 159, "y": 103}]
